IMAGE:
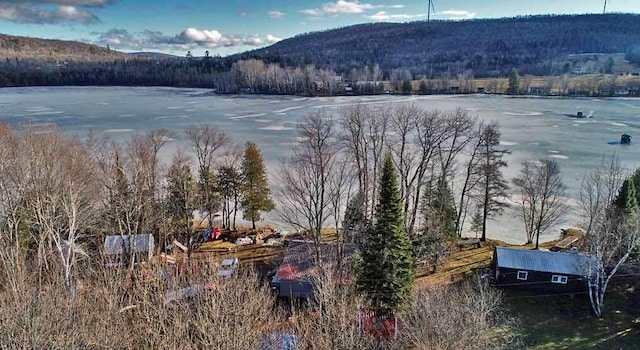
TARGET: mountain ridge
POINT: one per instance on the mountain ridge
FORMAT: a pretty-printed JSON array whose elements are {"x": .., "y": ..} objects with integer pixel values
[
  {"x": 488, "y": 47},
  {"x": 12, "y": 46}
]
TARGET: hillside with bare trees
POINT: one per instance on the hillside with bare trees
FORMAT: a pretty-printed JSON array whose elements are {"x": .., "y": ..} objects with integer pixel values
[{"x": 12, "y": 47}]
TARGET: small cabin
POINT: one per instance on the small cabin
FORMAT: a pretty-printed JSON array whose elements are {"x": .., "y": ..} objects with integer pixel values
[
  {"x": 625, "y": 139},
  {"x": 540, "y": 270},
  {"x": 117, "y": 249}
]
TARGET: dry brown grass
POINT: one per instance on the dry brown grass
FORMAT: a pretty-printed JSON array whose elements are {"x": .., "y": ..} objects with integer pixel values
[
  {"x": 127, "y": 310},
  {"x": 462, "y": 263},
  {"x": 118, "y": 308}
]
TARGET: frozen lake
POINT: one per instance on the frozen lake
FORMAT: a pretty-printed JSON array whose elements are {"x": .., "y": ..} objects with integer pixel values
[{"x": 532, "y": 128}]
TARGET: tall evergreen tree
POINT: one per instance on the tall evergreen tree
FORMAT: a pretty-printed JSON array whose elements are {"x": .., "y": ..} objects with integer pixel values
[
  {"x": 514, "y": 83},
  {"x": 476, "y": 222},
  {"x": 386, "y": 275},
  {"x": 208, "y": 195},
  {"x": 180, "y": 202},
  {"x": 439, "y": 208},
  {"x": 492, "y": 187},
  {"x": 355, "y": 219},
  {"x": 256, "y": 188},
  {"x": 627, "y": 200},
  {"x": 229, "y": 186},
  {"x": 636, "y": 182}
]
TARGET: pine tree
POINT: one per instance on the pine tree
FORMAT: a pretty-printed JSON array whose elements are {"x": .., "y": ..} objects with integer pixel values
[
  {"x": 439, "y": 208},
  {"x": 386, "y": 276},
  {"x": 627, "y": 200},
  {"x": 492, "y": 187},
  {"x": 229, "y": 187},
  {"x": 355, "y": 220},
  {"x": 476, "y": 222},
  {"x": 514, "y": 83},
  {"x": 255, "y": 188},
  {"x": 209, "y": 198},
  {"x": 181, "y": 190},
  {"x": 636, "y": 182}
]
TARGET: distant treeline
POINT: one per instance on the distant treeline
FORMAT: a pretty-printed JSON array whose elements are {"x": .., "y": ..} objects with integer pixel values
[
  {"x": 350, "y": 60},
  {"x": 536, "y": 45}
]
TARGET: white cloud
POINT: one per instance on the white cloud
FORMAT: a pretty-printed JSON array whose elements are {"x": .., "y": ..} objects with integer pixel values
[
  {"x": 345, "y": 7},
  {"x": 195, "y": 35},
  {"x": 313, "y": 12},
  {"x": 458, "y": 14},
  {"x": 276, "y": 14},
  {"x": 26, "y": 13},
  {"x": 384, "y": 16},
  {"x": 271, "y": 39},
  {"x": 188, "y": 39},
  {"x": 94, "y": 3},
  {"x": 50, "y": 11}
]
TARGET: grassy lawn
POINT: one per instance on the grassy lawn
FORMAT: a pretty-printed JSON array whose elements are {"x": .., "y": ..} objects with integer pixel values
[
  {"x": 559, "y": 322},
  {"x": 554, "y": 321}
]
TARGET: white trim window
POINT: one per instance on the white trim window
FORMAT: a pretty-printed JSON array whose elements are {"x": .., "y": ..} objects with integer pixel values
[
  {"x": 523, "y": 275},
  {"x": 559, "y": 279}
]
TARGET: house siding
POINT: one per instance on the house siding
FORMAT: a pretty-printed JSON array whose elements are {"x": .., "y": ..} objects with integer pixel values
[
  {"x": 295, "y": 289},
  {"x": 538, "y": 281}
]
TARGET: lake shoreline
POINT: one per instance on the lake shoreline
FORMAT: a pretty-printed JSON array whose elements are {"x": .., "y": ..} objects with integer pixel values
[{"x": 532, "y": 127}]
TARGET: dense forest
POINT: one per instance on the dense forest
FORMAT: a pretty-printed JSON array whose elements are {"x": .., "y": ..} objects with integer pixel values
[
  {"x": 534, "y": 45},
  {"x": 353, "y": 59}
]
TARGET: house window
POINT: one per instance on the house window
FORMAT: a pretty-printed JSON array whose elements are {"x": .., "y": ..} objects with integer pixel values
[
  {"x": 559, "y": 279},
  {"x": 522, "y": 275}
]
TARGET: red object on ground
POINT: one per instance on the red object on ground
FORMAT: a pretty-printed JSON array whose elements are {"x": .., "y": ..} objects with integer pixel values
[
  {"x": 288, "y": 272},
  {"x": 378, "y": 327},
  {"x": 216, "y": 232}
]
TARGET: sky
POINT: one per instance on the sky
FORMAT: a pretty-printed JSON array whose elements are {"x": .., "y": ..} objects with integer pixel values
[{"x": 224, "y": 27}]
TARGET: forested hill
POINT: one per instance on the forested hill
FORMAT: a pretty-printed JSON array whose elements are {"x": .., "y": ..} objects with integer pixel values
[
  {"x": 535, "y": 45},
  {"x": 54, "y": 50}
]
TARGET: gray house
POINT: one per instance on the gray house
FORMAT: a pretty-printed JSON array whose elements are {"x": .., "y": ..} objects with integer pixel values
[
  {"x": 297, "y": 271},
  {"x": 117, "y": 249},
  {"x": 540, "y": 270}
]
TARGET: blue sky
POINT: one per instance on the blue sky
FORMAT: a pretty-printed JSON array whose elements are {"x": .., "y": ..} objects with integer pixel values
[{"x": 227, "y": 26}]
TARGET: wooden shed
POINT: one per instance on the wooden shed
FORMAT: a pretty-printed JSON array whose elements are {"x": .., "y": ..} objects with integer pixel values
[
  {"x": 117, "y": 249},
  {"x": 540, "y": 270}
]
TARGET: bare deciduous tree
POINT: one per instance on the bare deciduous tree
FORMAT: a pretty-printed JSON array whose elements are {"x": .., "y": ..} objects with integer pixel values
[
  {"x": 14, "y": 180},
  {"x": 61, "y": 199},
  {"x": 130, "y": 176},
  {"x": 469, "y": 316},
  {"x": 403, "y": 125},
  {"x": 335, "y": 325},
  {"x": 599, "y": 189},
  {"x": 305, "y": 194},
  {"x": 230, "y": 183},
  {"x": 206, "y": 140},
  {"x": 612, "y": 235},
  {"x": 459, "y": 134},
  {"x": 542, "y": 197},
  {"x": 471, "y": 175},
  {"x": 365, "y": 132}
]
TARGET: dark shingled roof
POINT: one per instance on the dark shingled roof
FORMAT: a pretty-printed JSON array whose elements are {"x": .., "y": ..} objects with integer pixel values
[{"x": 298, "y": 258}]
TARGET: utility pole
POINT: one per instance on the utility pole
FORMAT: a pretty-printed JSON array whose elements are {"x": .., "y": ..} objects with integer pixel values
[{"x": 603, "y": 10}]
